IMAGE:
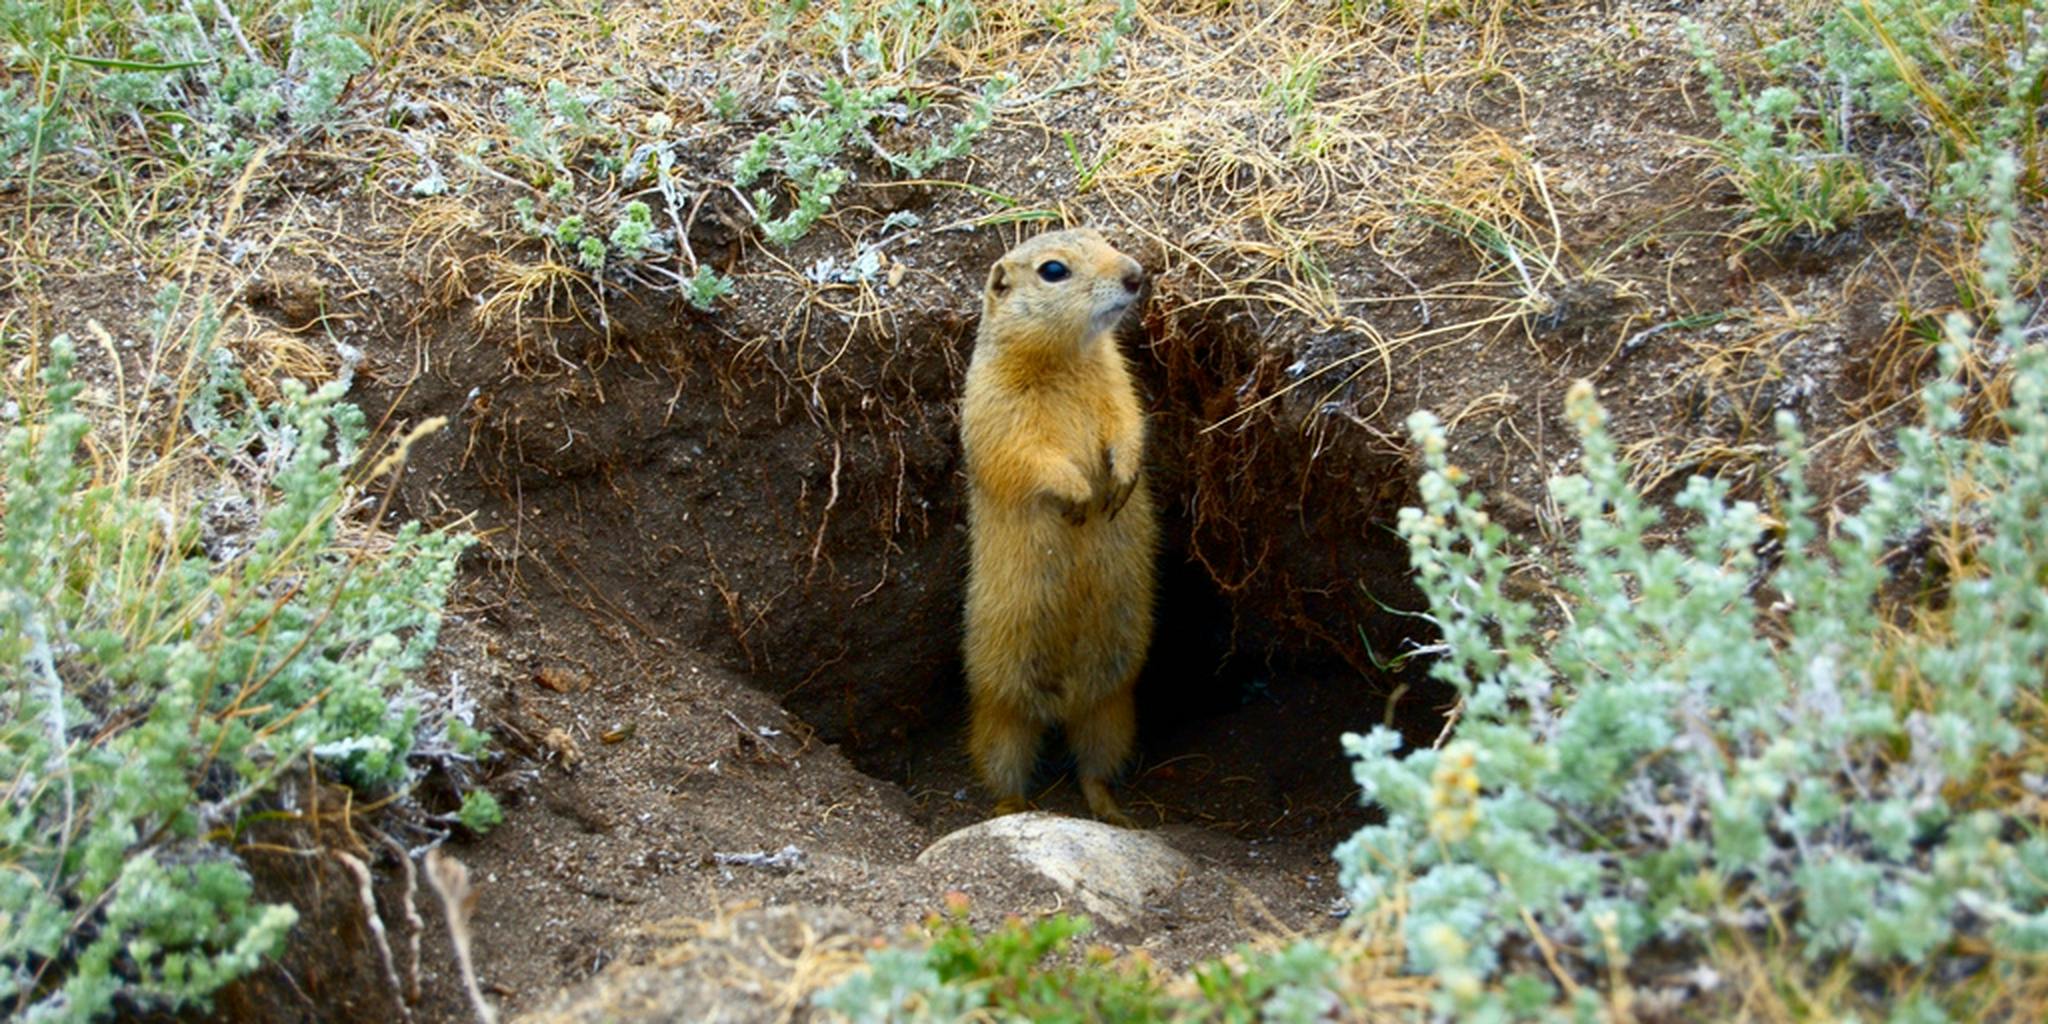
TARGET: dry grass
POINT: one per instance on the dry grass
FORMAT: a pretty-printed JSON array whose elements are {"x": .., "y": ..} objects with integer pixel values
[
  {"x": 744, "y": 962},
  {"x": 1260, "y": 152},
  {"x": 1269, "y": 156}
]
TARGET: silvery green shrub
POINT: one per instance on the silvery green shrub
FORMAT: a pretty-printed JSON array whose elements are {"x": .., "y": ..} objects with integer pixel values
[
  {"x": 199, "y": 80},
  {"x": 167, "y": 652},
  {"x": 1714, "y": 736},
  {"x": 877, "y": 48},
  {"x": 1866, "y": 104}
]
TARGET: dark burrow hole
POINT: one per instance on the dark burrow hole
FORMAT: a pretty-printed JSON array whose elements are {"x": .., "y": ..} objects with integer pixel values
[
  {"x": 1233, "y": 736},
  {"x": 682, "y": 492}
]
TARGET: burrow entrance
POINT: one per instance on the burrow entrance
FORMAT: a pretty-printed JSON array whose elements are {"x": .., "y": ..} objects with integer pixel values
[{"x": 789, "y": 501}]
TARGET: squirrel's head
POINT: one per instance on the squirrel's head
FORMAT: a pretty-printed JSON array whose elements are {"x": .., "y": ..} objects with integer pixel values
[{"x": 1061, "y": 288}]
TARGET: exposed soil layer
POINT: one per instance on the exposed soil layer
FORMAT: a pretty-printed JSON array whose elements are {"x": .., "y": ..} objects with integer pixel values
[
  {"x": 673, "y": 546},
  {"x": 684, "y": 487}
]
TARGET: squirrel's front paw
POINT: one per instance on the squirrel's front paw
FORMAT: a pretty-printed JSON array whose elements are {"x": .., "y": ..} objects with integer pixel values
[{"x": 1120, "y": 480}]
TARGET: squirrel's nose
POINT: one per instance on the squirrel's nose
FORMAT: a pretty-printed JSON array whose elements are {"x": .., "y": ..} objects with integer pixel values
[{"x": 1134, "y": 280}]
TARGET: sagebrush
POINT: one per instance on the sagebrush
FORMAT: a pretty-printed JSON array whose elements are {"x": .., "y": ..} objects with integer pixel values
[
  {"x": 1755, "y": 733},
  {"x": 189, "y": 616},
  {"x": 198, "y": 85}
]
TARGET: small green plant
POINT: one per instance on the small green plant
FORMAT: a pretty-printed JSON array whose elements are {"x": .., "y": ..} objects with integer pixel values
[
  {"x": 706, "y": 287},
  {"x": 726, "y": 104},
  {"x": 28, "y": 129},
  {"x": 879, "y": 47},
  {"x": 1717, "y": 746},
  {"x": 171, "y": 646},
  {"x": 467, "y": 740},
  {"x": 530, "y": 135},
  {"x": 1293, "y": 95},
  {"x": 890, "y": 39},
  {"x": 187, "y": 81},
  {"x": 635, "y": 235},
  {"x": 1121, "y": 25},
  {"x": 633, "y": 239},
  {"x": 1297, "y": 983},
  {"x": 1876, "y": 103},
  {"x": 1085, "y": 169},
  {"x": 1057, "y": 14},
  {"x": 326, "y": 56},
  {"x": 1797, "y": 180},
  {"x": 547, "y": 139},
  {"x": 804, "y": 150},
  {"x": 569, "y": 235},
  {"x": 480, "y": 812},
  {"x": 958, "y": 140}
]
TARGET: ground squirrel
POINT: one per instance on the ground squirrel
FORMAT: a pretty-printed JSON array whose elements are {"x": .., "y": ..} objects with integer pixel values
[{"x": 1060, "y": 527}]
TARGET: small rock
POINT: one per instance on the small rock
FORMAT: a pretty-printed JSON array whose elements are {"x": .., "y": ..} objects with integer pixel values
[
  {"x": 789, "y": 858},
  {"x": 1109, "y": 870}
]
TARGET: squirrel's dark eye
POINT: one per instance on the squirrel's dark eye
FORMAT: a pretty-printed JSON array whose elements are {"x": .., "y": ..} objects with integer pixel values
[{"x": 1054, "y": 271}]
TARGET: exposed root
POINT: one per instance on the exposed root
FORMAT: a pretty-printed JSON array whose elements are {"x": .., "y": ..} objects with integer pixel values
[
  {"x": 408, "y": 900},
  {"x": 366, "y": 892},
  {"x": 450, "y": 880}
]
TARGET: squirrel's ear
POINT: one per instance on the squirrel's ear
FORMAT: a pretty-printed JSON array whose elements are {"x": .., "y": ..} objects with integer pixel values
[{"x": 998, "y": 278}]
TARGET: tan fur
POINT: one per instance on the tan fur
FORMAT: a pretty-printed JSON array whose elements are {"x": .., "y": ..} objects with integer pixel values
[{"x": 1060, "y": 524}]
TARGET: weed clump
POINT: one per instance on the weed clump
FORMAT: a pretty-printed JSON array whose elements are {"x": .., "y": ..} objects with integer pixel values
[
  {"x": 809, "y": 149},
  {"x": 1030, "y": 971},
  {"x": 175, "y": 639},
  {"x": 1886, "y": 104},
  {"x": 198, "y": 85}
]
